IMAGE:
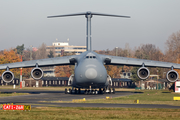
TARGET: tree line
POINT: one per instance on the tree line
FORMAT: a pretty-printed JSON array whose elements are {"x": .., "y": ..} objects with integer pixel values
[{"x": 144, "y": 51}]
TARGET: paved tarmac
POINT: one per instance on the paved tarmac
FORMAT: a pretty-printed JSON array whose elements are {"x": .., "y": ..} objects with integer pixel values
[
  {"x": 36, "y": 97},
  {"x": 44, "y": 95}
]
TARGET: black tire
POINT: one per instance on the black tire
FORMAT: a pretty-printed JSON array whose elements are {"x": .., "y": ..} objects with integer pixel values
[
  {"x": 113, "y": 90},
  {"x": 109, "y": 90},
  {"x": 104, "y": 90},
  {"x": 100, "y": 91},
  {"x": 96, "y": 92},
  {"x": 88, "y": 92},
  {"x": 85, "y": 92},
  {"x": 65, "y": 90},
  {"x": 92, "y": 92},
  {"x": 79, "y": 91},
  {"x": 70, "y": 91},
  {"x": 75, "y": 91}
]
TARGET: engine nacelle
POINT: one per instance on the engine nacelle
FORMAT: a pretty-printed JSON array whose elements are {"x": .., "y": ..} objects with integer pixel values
[
  {"x": 143, "y": 73},
  {"x": 172, "y": 76},
  {"x": 37, "y": 73},
  {"x": 7, "y": 76}
]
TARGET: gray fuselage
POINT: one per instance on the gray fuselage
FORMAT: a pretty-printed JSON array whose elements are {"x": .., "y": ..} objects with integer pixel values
[{"x": 90, "y": 71}]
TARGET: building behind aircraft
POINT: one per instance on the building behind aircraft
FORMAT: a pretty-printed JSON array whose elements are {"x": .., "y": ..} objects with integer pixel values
[{"x": 60, "y": 48}]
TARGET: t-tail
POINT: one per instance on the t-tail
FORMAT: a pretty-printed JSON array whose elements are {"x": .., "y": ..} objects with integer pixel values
[{"x": 88, "y": 15}]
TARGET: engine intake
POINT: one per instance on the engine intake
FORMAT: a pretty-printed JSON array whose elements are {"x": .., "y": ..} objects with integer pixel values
[
  {"x": 172, "y": 76},
  {"x": 7, "y": 76},
  {"x": 37, "y": 73},
  {"x": 143, "y": 73}
]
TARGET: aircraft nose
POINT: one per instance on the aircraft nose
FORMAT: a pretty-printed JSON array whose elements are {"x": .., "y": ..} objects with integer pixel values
[{"x": 91, "y": 73}]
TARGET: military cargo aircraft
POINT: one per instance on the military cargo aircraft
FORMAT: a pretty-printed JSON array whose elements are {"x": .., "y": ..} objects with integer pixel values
[{"x": 89, "y": 73}]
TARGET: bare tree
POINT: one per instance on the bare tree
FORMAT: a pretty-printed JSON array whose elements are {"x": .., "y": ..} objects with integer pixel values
[
  {"x": 27, "y": 55},
  {"x": 173, "y": 47},
  {"x": 41, "y": 52}
]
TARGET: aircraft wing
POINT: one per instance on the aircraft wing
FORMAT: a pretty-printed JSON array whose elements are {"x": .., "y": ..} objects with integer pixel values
[
  {"x": 41, "y": 62},
  {"x": 114, "y": 60}
]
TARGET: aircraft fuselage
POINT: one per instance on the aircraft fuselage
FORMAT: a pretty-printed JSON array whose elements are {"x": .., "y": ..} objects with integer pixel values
[{"x": 90, "y": 71}]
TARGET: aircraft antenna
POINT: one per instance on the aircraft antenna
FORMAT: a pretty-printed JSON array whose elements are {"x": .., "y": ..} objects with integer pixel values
[{"x": 88, "y": 16}]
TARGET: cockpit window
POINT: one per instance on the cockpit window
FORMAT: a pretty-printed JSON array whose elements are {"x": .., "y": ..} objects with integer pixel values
[{"x": 90, "y": 56}]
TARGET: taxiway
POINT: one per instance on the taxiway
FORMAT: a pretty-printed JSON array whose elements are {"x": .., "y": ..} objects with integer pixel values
[{"x": 36, "y": 98}]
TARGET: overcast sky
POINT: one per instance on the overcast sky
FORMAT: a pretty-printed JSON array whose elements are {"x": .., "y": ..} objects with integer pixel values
[{"x": 26, "y": 22}]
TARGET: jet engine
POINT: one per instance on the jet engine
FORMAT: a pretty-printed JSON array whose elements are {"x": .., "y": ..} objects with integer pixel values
[
  {"x": 143, "y": 73},
  {"x": 172, "y": 76},
  {"x": 37, "y": 73},
  {"x": 7, "y": 76}
]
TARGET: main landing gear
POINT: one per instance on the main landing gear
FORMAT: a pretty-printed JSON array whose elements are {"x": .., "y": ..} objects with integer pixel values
[
  {"x": 71, "y": 91},
  {"x": 90, "y": 91}
]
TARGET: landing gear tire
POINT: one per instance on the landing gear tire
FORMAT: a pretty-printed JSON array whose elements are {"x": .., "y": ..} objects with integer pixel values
[
  {"x": 70, "y": 91},
  {"x": 92, "y": 92},
  {"x": 109, "y": 90},
  {"x": 79, "y": 90},
  {"x": 113, "y": 90},
  {"x": 96, "y": 92},
  {"x": 86, "y": 92},
  {"x": 100, "y": 91},
  {"x": 65, "y": 90},
  {"x": 104, "y": 90},
  {"x": 75, "y": 91}
]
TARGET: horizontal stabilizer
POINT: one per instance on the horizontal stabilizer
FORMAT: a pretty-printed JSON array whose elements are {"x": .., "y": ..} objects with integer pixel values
[
  {"x": 89, "y": 13},
  {"x": 77, "y": 14},
  {"x": 100, "y": 14}
]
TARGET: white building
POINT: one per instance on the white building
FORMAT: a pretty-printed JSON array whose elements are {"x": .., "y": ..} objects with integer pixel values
[
  {"x": 61, "y": 48},
  {"x": 126, "y": 75}
]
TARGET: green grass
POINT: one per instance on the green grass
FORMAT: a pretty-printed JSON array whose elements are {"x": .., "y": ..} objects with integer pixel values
[
  {"x": 144, "y": 96},
  {"x": 49, "y": 113},
  {"x": 35, "y": 88},
  {"x": 2, "y": 94}
]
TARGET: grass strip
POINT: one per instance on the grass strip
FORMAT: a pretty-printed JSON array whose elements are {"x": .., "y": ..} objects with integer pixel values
[
  {"x": 58, "y": 113},
  {"x": 145, "y": 97},
  {"x": 4, "y": 94}
]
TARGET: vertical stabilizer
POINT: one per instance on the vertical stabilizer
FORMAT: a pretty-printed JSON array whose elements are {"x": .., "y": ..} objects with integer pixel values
[
  {"x": 88, "y": 15},
  {"x": 88, "y": 32}
]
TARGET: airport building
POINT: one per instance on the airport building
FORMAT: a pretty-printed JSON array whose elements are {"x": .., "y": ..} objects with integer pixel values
[
  {"x": 126, "y": 75},
  {"x": 13, "y": 82},
  {"x": 49, "y": 71},
  {"x": 61, "y": 48}
]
